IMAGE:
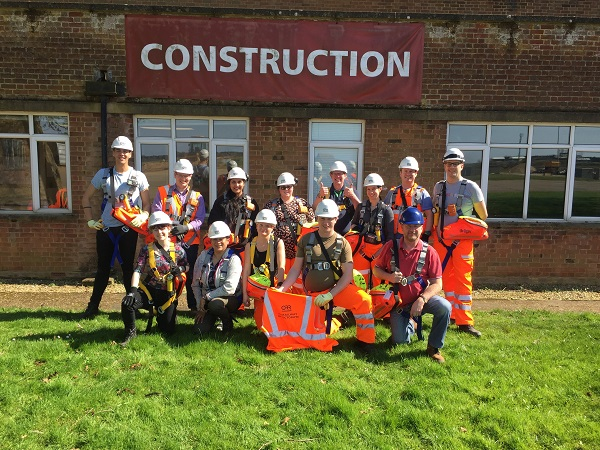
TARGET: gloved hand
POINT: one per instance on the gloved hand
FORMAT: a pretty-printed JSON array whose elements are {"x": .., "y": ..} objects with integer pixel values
[
  {"x": 323, "y": 299},
  {"x": 95, "y": 224},
  {"x": 139, "y": 220},
  {"x": 130, "y": 298},
  {"x": 179, "y": 229},
  {"x": 425, "y": 236}
]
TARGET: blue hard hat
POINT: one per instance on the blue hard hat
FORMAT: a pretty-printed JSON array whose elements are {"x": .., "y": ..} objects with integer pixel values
[{"x": 411, "y": 216}]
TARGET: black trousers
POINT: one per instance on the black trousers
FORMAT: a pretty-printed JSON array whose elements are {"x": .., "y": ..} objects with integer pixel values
[
  {"x": 166, "y": 320},
  {"x": 192, "y": 255},
  {"x": 221, "y": 308}
]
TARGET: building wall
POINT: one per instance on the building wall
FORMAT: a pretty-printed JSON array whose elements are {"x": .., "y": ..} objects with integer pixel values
[{"x": 479, "y": 65}]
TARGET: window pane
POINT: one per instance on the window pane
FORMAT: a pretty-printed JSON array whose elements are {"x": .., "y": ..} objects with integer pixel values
[
  {"x": 228, "y": 156},
  {"x": 467, "y": 134},
  {"x": 547, "y": 183},
  {"x": 51, "y": 125},
  {"x": 551, "y": 135},
  {"x": 324, "y": 157},
  {"x": 196, "y": 128},
  {"x": 506, "y": 183},
  {"x": 155, "y": 165},
  {"x": 15, "y": 175},
  {"x": 154, "y": 127},
  {"x": 229, "y": 129},
  {"x": 52, "y": 175},
  {"x": 335, "y": 131},
  {"x": 586, "y": 192},
  {"x": 192, "y": 151},
  {"x": 587, "y": 135},
  {"x": 509, "y": 134},
  {"x": 14, "y": 124},
  {"x": 473, "y": 163}
]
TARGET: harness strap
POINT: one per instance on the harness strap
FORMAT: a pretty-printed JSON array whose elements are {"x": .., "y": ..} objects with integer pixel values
[{"x": 115, "y": 240}]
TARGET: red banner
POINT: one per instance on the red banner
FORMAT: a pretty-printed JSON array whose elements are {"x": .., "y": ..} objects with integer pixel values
[{"x": 274, "y": 60}]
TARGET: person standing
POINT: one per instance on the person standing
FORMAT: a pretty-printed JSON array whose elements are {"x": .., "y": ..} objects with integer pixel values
[
  {"x": 409, "y": 193},
  {"x": 120, "y": 184},
  {"x": 454, "y": 197},
  {"x": 185, "y": 207},
  {"x": 164, "y": 265},
  {"x": 325, "y": 259},
  {"x": 290, "y": 212},
  {"x": 201, "y": 176},
  {"x": 342, "y": 193},
  {"x": 414, "y": 266}
]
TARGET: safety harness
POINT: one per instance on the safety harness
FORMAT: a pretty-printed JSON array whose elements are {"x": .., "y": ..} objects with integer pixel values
[
  {"x": 174, "y": 284},
  {"x": 461, "y": 194},
  {"x": 270, "y": 259},
  {"x": 294, "y": 226},
  {"x": 172, "y": 204},
  {"x": 400, "y": 203},
  {"x": 243, "y": 223},
  {"x": 222, "y": 268}
]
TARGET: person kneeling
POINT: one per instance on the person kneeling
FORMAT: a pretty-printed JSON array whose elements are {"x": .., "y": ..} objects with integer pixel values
[
  {"x": 165, "y": 265},
  {"x": 216, "y": 281}
]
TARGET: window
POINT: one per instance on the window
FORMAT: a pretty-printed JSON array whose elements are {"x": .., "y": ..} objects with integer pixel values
[
  {"x": 162, "y": 141},
  {"x": 335, "y": 141},
  {"x": 533, "y": 171},
  {"x": 34, "y": 163}
]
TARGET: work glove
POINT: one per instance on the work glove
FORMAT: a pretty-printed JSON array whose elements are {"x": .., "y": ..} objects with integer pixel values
[
  {"x": 139, "y": 219},
  {"x": 130, "y": 298},
  {"x": 425, "y": 236},
  {"x": 95, "y": 224},
  {"x": 323, "y": 299},
  {"x": 179, "y": 229}
]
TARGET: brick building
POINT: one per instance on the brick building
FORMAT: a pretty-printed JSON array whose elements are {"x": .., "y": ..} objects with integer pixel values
[{"x": 514, "y": 85}]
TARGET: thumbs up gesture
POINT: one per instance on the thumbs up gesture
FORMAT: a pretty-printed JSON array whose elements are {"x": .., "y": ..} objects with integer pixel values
[{"x": 324, "y": 191}]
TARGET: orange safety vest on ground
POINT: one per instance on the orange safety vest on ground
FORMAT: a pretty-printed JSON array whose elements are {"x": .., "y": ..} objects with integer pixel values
[
  {"x": 293, "y": 322},
  {"x": 171, "y": 205}
]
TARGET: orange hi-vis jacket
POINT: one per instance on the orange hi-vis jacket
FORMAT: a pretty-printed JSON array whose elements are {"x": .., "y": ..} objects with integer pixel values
[
  {"x": 402, "y": 199},
  {"x": 293, "y": 322},
  {"x": 183, "y": 214}
]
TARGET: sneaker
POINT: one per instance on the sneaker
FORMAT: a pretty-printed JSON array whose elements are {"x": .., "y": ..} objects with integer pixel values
[
  {"x": 434, "y": 353},
  {"x": 129, "y": 335},
  {"x": 89, "y": 313},
  {"x": 469, "y": 329}
]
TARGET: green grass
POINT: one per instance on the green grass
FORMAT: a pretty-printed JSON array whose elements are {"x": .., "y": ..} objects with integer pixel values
[{"x": 531, "y": 382}]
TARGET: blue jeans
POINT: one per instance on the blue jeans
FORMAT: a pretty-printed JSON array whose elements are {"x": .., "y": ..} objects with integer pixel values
[{"x": 403, "y": 329}]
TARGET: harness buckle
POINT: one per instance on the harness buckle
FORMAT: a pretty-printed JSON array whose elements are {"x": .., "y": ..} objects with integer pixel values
[
  {"x": 125, "y": 229},
  {"x": 404, "y": 281}
]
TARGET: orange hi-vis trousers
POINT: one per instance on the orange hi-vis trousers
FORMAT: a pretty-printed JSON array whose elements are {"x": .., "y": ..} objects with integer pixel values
[
  {"x": 359, "y": 302},
  {"x": 457, "y": 278}
]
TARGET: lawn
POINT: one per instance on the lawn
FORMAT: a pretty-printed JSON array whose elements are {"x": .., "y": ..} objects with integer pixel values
[{"x": 532, "y": 381}]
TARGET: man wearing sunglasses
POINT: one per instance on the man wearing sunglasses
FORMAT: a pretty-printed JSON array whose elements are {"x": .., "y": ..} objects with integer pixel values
[{"x": 455, "y": 197}]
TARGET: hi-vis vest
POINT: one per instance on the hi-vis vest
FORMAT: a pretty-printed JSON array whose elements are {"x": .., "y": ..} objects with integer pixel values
[
  {"x": 402, "y": 199},
  {"x": 293, "y": 322},
  {"x": 181, "y": 213}
]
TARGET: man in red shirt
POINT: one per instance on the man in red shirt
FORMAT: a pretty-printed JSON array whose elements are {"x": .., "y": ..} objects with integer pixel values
[{"x": 415, "y": 268}]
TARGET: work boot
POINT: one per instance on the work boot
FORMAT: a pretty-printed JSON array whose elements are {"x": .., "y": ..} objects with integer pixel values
[
  {"x": 365, "y": 347},
  {"x": 129, "y": 335},
  {"x": 90, "y": 312},
  {"x": 469, "y": 329},
  {"x": 434, "y": 353}
]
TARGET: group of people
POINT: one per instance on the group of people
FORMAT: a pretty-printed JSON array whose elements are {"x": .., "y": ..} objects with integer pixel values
[{"x": 322, "y": 250}]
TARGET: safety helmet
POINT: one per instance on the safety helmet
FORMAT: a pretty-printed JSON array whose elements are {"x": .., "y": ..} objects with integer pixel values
[
  {"x": 411, "y": 216},
  {"x": 184, "y": 166},
  {"x": 409, "y": 163},
  {"x": 218, "y": 229},
  {"x": 373, "y": 179},
  {"x": 327, "y": 208},
  {"x": 231, "y": 164},
  {"x": 238, "y": 173},
  {"x": 266, "y": 216},
  {"x": 286, "y": 179},
  {"x": 159, "y": 218},
  {"x": 122, "y": 142},
  {"x": 203, "y": 154},
  {"x": 453, "y": 154},
  {"x": 338, "y": 166}
]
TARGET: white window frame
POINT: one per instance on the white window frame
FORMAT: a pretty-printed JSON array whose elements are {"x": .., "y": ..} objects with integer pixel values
[{"x": 34, "y": 163}]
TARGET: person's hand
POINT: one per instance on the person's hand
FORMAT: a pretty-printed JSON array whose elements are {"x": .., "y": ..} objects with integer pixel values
[
  {"x": 95, "y": 224},
  {"x": 177, "y": 270},
  {"x": 200, "y": 315},
  {"x": 179, "y": 229},
  {"x": 417, "y": 307},
  {"x": 397, "y": 277},
  {"x": 139, "y": 219},
  {"x": 349, "y": 192},
  {"x": 425, "y": 236},
  {"x": 324, "y": 191},
  {"x": 323, "y": 299},
  {"x": 130, "y": 298},
  {"x": 246, "y": 300}
]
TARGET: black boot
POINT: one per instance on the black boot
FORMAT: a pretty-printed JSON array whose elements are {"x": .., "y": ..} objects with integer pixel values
[
  {"x": 90, "y": 312},
  {"x": 129, "y": 335}
]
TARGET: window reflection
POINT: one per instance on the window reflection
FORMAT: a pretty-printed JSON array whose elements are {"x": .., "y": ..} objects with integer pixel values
[
  {"x": 586, "y": 192},
  {"x": 52, "y": 175},
  {"x": 15, "y": 175},
  {"x": 506, "y": 183},
  {"x": 155, "y": 165},
  {"x": 547, "y": 183}
]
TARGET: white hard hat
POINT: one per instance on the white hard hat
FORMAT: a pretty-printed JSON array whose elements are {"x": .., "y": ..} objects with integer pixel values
[
  {"x": 338, "y": 166},
  {"x": 203, "y": 154},
  {"x": 373, "y": 179},
  {"x": 219, "y": 230},
  {"x": 327, "y": 208},
  {"x": 159, "y": 218},
  {"x": 237, "y": 172},
  {"x": 286, "y": 179},
  {"x": 409, "y": 163},
  {"x": 266, "y": 216},
  {"x": 453, "y": 154},
  {"x": 122, "y": 142},
  {"x": 184, "y": 166}
]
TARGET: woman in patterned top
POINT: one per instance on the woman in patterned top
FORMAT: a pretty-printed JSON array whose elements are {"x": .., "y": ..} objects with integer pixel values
[{"x": 291, "y": 212}]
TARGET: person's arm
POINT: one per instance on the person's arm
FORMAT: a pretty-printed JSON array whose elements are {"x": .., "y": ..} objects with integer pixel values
[
  {"x": 145, "y": 196},
  {"x": 345, "y": 279},
  {"x": 157, "y": 204},
  {"x": 323, "y": 193},
  {"x": 233, "y": 279},
  {"x": 349, "y": 193},
  {"x": 481, "y": 210},
  {"x": 135, "y": 279},
  {"x": 86, "y": 202},
  {"x": 434, "y": 288},
  {"x": 245, "y": 275},
  {"x": 293, "y": 274}
]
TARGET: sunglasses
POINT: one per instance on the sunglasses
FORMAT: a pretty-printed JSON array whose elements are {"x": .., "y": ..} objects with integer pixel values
[
  {"x": 121, "y": 150},
  {"x": 285, "y": 188},
  {"x": 453, "y": 164}
]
